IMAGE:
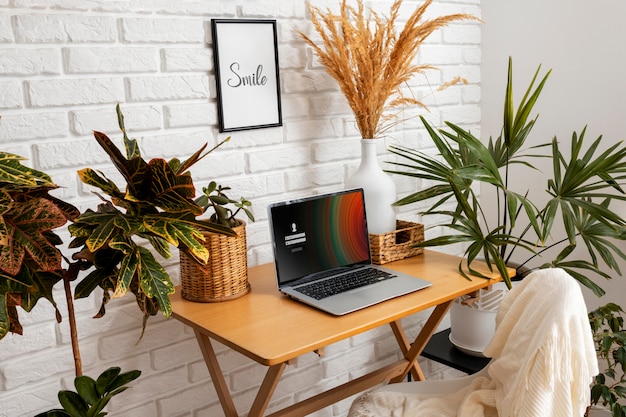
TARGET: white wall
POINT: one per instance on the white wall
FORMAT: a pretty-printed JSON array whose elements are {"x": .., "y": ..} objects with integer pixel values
[
  {"x": 64, "y": 64},
  {"x": 584, "y": 45}
]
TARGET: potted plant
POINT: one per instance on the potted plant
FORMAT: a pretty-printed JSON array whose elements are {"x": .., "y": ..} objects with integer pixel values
[
  {"x": 361, "y": 50},
  {"x": 225, "y": 275},
  {"x": 580, "y": 198},
  {"x": 580, "y": 192},
  {"x": 31, "y": 264},
  {"x": 157, "y": 206},
  {"x": 609, "y": 335}
]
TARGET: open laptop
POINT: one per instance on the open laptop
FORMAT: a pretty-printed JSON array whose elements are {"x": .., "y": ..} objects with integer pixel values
[{"x": 318, "y": 240}]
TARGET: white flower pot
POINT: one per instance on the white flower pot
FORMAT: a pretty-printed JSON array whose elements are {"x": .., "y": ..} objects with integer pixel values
[
  {"x": 379, "y": 190},
  {"x": 473, "y": 325}
]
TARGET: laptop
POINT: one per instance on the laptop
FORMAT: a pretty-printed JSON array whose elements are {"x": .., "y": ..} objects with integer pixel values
[{"x": 323, "y": 239}]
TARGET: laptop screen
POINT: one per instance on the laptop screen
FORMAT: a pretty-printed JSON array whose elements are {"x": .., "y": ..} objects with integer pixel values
[{"x": 319, "y": 233}]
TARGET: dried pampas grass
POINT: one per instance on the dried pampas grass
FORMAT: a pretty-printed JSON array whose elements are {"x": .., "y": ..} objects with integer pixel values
[{"x": 369, "y": 60}]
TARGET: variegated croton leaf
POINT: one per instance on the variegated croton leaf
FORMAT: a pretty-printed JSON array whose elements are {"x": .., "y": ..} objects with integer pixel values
[
  {"x": 157, "y": 205},
  {"x": 30, "y": 262},
  {"x": 15, "y": 175},
  {"x": 26, "y": 224}
]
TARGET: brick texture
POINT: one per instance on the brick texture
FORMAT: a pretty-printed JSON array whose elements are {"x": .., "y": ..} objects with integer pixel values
[{"x": 65, "y": 64}]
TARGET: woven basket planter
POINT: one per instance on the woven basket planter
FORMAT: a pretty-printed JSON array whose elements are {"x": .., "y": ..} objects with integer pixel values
[
  {"x": 398, "y": 244},
  {"x": 225, "y": 276}
]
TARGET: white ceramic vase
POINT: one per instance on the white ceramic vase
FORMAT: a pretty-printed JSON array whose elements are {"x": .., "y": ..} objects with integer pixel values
[{"x": 378, "y": 188}]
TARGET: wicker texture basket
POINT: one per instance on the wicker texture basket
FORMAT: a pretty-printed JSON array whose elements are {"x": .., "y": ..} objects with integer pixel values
[
  {"x": 225, "y": 276},
  {"x": 398, "y": 244}
]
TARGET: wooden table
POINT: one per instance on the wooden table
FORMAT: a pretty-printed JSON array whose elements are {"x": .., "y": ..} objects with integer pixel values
[{"x": 274, "y": 330}]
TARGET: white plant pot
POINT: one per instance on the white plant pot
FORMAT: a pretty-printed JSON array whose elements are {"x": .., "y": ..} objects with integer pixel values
[
  {"x": 473, "y": 325},
  {"x": 379, "y": 190}
]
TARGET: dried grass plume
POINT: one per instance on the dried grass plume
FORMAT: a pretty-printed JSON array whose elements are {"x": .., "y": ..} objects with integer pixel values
[{"x": 369, "y": 60}]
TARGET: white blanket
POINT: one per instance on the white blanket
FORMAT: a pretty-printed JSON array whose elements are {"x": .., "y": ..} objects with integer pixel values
[{"x": 543, "y": 361}]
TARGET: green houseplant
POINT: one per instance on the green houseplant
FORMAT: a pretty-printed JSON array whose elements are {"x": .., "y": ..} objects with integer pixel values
[
  {"x": 225, "y": 209},
  {"x": 225, "y": 275},
  {"x": 609, "y": 387},
  {"x": 31, "y": 264},
  {"x": 157, "y": 207},
  {"x": 579, "y": 193}
]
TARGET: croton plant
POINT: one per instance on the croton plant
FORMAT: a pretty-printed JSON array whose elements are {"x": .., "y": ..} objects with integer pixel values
[
  {"x": 30, "y": 261},
  {"x": 157, "y": 206}
]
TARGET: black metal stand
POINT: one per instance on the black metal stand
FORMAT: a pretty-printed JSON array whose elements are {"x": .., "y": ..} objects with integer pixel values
[{"x": 441, "y": 350}]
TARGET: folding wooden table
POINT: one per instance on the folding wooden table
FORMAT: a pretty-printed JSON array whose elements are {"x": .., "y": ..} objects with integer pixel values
[{"x": 274, "y": 330}]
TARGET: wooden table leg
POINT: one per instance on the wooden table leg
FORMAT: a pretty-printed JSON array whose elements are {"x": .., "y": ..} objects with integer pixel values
[
  {"x": 421, "y": 340},
  {"x": 272, "y": 377},
  {"x": 216, "y": 375},
  {"x": 405, "y": 345},
  {"x": 274, "y": 372}
]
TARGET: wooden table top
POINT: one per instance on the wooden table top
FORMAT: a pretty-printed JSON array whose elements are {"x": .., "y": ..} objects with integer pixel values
[{"x": 271, "y": 328}]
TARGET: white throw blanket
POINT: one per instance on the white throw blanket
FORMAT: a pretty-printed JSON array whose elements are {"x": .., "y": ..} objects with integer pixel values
[{"x": 543, "y": 362}]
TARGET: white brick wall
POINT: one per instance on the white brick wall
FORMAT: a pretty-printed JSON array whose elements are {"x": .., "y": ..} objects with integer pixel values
[{"x": 64, "y": 64}]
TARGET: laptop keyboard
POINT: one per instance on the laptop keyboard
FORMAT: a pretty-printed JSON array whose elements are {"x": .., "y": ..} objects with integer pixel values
[{"x": 343, "y": 283}]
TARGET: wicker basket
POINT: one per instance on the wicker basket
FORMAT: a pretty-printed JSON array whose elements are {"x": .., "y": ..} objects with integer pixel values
[
  {"x": 225, "y": 276},
  {"x": 398, "y": 244}
]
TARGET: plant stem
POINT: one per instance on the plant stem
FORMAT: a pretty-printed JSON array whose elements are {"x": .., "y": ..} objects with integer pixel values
[
  {"x": 545, "y": 249},
  {"x": 505, "y": 210},
  {"x": 69, "y": 276}
]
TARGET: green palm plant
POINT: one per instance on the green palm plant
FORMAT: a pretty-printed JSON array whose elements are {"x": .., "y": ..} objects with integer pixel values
[{"x": 580, "y": 194}]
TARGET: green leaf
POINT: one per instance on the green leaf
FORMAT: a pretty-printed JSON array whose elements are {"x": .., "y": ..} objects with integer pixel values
[
  {"x": 154, "y": 281},
  {"x": 573, "y": 267},
  {"x": 73, "y": 404},
  {"x": 219, "y": 199},
  {"x": 620, "y": 357},
  {"x": 93, "y": 178},
  {"x": 128, "y": 269},
  {"x": 122, "y": 243},
  {"x": 596, "y": 393},
  {"x": 94, "y": 279},
  {"x": 86, "y": 388},
  {"x": 160, "y": 245},
  {"x": 123, "y": 379},
  {"x": 179, "y": 230},
  {"x": 105, "y": 229},
  {"x": 106, "y": 378},
  {"x": 14, "y": 173}
]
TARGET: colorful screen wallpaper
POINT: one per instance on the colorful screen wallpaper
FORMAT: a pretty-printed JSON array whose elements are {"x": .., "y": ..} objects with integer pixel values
[{"x": 317, "y": 234}]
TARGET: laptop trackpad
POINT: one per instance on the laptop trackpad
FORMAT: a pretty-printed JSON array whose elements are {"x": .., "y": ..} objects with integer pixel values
[
  {"x": 375, "y": 294},
  {"x": 387, "y": 289}
]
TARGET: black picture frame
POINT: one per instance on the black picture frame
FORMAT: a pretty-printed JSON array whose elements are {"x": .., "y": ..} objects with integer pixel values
[{"x": 245, "y": 54}]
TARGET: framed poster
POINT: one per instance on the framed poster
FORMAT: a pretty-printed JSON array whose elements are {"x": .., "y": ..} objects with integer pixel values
[{"x": 246, "y": 70}]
